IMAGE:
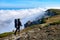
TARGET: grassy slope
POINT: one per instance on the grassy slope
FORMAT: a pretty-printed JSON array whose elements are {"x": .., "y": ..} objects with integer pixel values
[
  {"x": 5, "y": 34},
  {"x": 56, "y": 11}
]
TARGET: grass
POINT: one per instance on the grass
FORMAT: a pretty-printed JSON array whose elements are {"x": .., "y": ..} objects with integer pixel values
[
  {"x": 30, "y": 28},
  {"x": 53, "y": 19},
  {"x": 56, "y": 11},
  {"x": 52, "y": 23},
  {"x": 5, "y": 34}
]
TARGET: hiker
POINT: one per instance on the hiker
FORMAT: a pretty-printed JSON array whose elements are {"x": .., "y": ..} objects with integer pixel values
[{"x": 17, "y": 25}]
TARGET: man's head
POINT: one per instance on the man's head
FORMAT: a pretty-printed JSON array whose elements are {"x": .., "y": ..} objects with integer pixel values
[{"x": 18, "y": 19}]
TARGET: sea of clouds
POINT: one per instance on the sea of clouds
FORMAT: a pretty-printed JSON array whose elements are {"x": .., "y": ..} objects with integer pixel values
[{"x": 7, "y": 17}]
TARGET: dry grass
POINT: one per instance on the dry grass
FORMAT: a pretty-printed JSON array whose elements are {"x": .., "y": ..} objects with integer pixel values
[
  {"x": 53, "y": 19},
  {"x": 30, "y": 28}
]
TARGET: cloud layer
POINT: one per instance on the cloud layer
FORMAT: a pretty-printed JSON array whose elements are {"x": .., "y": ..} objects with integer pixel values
[{"x": 7, "y": 17}]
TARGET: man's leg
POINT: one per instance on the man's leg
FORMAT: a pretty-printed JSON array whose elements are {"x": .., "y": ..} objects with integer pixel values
[
  {"x": 15, "y": 31},
  {"x": 18, "y": 30}
]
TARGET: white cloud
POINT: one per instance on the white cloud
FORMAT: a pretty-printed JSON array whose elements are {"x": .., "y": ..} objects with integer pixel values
[
  {"x": 52, "y": 7},
  {"x": 10, "y": 15}
]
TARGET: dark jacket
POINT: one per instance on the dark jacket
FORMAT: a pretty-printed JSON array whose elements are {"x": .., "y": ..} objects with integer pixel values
[
  {"x": 19, "y": 23},
  {"x": 15, "y": 23}
]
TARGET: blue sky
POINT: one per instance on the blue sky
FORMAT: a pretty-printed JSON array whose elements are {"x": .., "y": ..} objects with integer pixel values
[{"x": 29, "y": 3}]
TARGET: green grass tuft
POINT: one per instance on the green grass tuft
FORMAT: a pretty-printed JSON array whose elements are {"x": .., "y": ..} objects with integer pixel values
[{"x": 5, "y": 34}]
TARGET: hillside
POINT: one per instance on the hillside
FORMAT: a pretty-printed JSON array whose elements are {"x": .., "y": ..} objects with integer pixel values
[
  {"x": 46, "y": 31},
  {"x": 56, "y": 11},
  {"x": 50, "y": 30}
]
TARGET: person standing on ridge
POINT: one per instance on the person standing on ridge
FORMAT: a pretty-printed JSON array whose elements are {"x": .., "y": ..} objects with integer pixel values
[{"x": 17, "y": 25}]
